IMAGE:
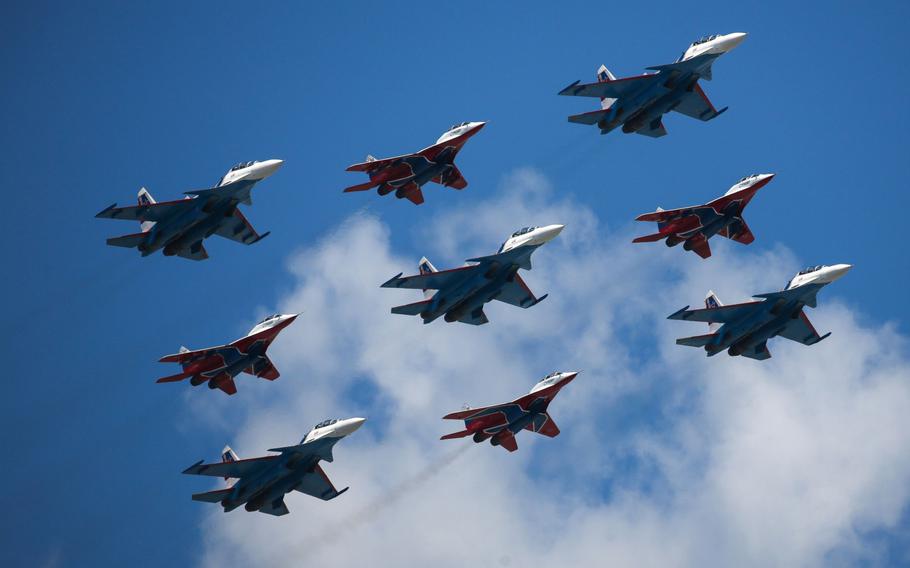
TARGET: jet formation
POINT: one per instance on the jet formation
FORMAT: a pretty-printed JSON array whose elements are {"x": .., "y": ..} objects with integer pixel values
[
  {"x": 636, "y": 104},
  {"x": 179, "y": 227},
  {"x": 460, "y": 293},
  {"x": 499, "y": 423},
  {"x": 219, "y": 365},
  {"x": 261, "y": 483},
  {"x": 639, "y": 103},
  {"x": 693, "y": 226},
  {"x": 744, "y": 329},
  {"x": 406, "y": 174}
]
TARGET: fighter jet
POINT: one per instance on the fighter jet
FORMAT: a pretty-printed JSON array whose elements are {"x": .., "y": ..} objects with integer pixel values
[
  {"x": 219, "y": 365},
  {"x": 263, "y": 482},
  {"x": 501, "y": 422},
  {"x": 744, "y": 329},
  {"x": 462, "y": 292},
  {"x": 406, "y": 174},
  {"x": 180, "y": 226},
  {"x": 693, "y": 226},
  {"x": 639, "y": 103}
]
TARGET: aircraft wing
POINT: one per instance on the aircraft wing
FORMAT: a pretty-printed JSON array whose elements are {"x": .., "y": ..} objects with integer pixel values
[
  {"x": 518, "y": 294},
  {"x": 802, "y": 331},
  {"x": 655, "y": 129},
  {"x": 543, "y": 424},
  {"x": 264, "y": 369},
  {"x": 237, "y": 228},
  {"x": 616, "y": 89},
  {"x": 431, "y": 280},
  {"x": 667, "y": 214},
  {"x": 150, "y": 212},
  {"x": 373, "y": 165},
  {"x": 188, "y": 356},
  {"x": 723, "y": 314},
  {"x": 452, "y": 178},
  {"x": 318, "y": 485},
  {"x": 697, "y": 105},
  {"x": 738, "y": 232},
  {"x": 237, "y": 469}
]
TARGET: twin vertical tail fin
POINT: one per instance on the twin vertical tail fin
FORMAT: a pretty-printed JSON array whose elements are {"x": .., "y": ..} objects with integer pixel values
[
  {"x": 713, "y": 302},
  {"x": 227, "y": 456},
  {"x": 145, "y": 198},
  {"x": 426, "y": 267},
  {"x": 604, "y": 76}
]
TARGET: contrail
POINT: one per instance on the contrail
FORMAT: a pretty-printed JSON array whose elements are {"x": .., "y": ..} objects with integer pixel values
[{"x": 371, "y": 511}]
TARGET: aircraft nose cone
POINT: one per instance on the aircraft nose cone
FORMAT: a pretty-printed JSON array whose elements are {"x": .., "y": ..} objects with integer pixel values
[
  {"x": 350, "y": 425},
  {"x": 837, "y": 271},
  {"x": 268, "y": 167},
  {"x": 550, "y": 232},
  {"x": 730, "y": 41}
]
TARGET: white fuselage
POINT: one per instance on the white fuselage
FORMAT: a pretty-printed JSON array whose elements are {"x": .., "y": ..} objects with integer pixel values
[
  {"x": 748, "y": 182},
  {"x": 553, "y": 379},
  {"x": 271, "y": 322},
  {"x": 819, "y": 275},
  {"x": 337, "y": 429},
  {"x": 718, "y": 45},
  {"x": 457, "y": 131},
  {"x": 253, "y": 171},
  {"x": 531, "y": 236}
]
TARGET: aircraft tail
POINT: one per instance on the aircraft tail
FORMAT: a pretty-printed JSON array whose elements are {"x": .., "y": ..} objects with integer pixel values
[
  {"x": 712, "y": 302},
  {"x": 604, "y": 76},
  {"x": 426, "y": 267},
  {"x": 212, "y": 496},
  {"x": 145, "y": 198},
  {"x": 227, "y": 456},
  {"x": 695, "y": 340},
  {"x": 127, "y": 241}
]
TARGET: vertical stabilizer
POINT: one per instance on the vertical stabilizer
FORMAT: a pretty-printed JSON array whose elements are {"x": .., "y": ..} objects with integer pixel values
[
  {"x": 227, "y": 456},
  {"x": 426, "y": 267},
  {"x": 145, "y": 198},
  {"x": 604, "y": 76},
  {"x": 712, "y": 302}
]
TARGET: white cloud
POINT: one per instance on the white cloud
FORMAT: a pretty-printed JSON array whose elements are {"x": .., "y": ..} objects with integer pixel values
[{"x": 665, "y": 458}]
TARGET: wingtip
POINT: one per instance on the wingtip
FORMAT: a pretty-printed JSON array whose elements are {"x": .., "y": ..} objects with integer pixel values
[
  {"x": 193, "y": 468},
  {"x": 566, "y": 90},
  {"x": 676, "y": 314},
  {"x": 106, "y": 209},
  {"x": 391, "y": 282}
]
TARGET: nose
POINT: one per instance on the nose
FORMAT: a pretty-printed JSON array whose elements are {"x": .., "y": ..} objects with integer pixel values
[
  {"x": 548, "y": 233},
  {"x": 350, "y": 425},
  {"x": 838, "y": 270},
  {"x": 730, "y": 41},
  {"x": 267, "y": 168}
]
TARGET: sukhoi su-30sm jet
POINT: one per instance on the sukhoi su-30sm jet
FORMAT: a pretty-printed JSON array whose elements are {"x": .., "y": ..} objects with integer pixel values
[
  {"x": 639, "y": 103},
  {"x": 462, "y": 292},
  {"x": 179, "y": 227},
  {"x": 744, "y": 329},
  {"x": 263, "y": 482}
]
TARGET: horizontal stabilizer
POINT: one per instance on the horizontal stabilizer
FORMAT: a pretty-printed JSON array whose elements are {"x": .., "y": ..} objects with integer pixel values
[
  {"x": 361, "y": 187},
  {"x": 650, "y": 238},
  {"x": 453, "y": 435},
  {"x": 173, "y": 378},
  {"x": 127, "y": 241},
  {"x": 592, "y": 117},
  {"x": 696, "y": 340},
  {"x": 212, "y": 496},
  {"x": 411, "y": 309}
]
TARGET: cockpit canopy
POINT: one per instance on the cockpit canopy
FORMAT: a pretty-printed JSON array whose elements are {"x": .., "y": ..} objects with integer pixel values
[
  {"x": 810, "y": 269},
  {"x": 270, "y": 318},
  {"x": 454, "y": 126},
  {"x": 747, "y": 178},
  {"x": 325, "y": 423},
  {"x": 517, "y": 233},
  {"x": 551, "y": 375},
  {"x": 242, "y": 165},
  {"x": 704, "y": 39}
]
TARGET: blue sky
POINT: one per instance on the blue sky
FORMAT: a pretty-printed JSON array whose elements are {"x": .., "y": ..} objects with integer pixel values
[{"x": 100, "y": 100}]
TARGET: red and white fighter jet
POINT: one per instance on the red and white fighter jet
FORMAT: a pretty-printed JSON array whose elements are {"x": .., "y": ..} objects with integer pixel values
[
  {"x": 407, "y": 173},
  {"x": 219, "y": 365}
]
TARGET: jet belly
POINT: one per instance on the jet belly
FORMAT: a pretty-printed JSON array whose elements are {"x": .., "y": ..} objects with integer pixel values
[
  {"x": 205, "y": 225},
  {"x": 166, "y": 231},
  {"x": 477, "y": 298}
]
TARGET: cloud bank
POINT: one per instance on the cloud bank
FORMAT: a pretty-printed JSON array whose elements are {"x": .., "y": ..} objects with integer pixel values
[{"x": 665, "y": 457}]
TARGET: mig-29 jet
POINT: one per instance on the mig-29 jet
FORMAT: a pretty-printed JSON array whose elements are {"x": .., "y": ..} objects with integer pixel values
[
  {"x": 744, "y": 329},
  {"x": 219, "y": 365},
  {"x": 639, "y": 103},
  {"x": 180, "y": 226},
  {"x": 500, "y": 423},
  {"x": 693, "y": 226},
  {"x": 406, "y": 174},
  {"x": 462, "y": 292},
  {"x": 263, "y": 482}
]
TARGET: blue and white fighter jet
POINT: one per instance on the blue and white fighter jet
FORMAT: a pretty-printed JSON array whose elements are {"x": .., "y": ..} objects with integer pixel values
[
  {"x": 179, "y": 227},
  {"x": 744, "y": 329},
  {"x": 639, "y": 103},
  {"x": 462, "y": 292},
  {"x": 263, "y": 482}
]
